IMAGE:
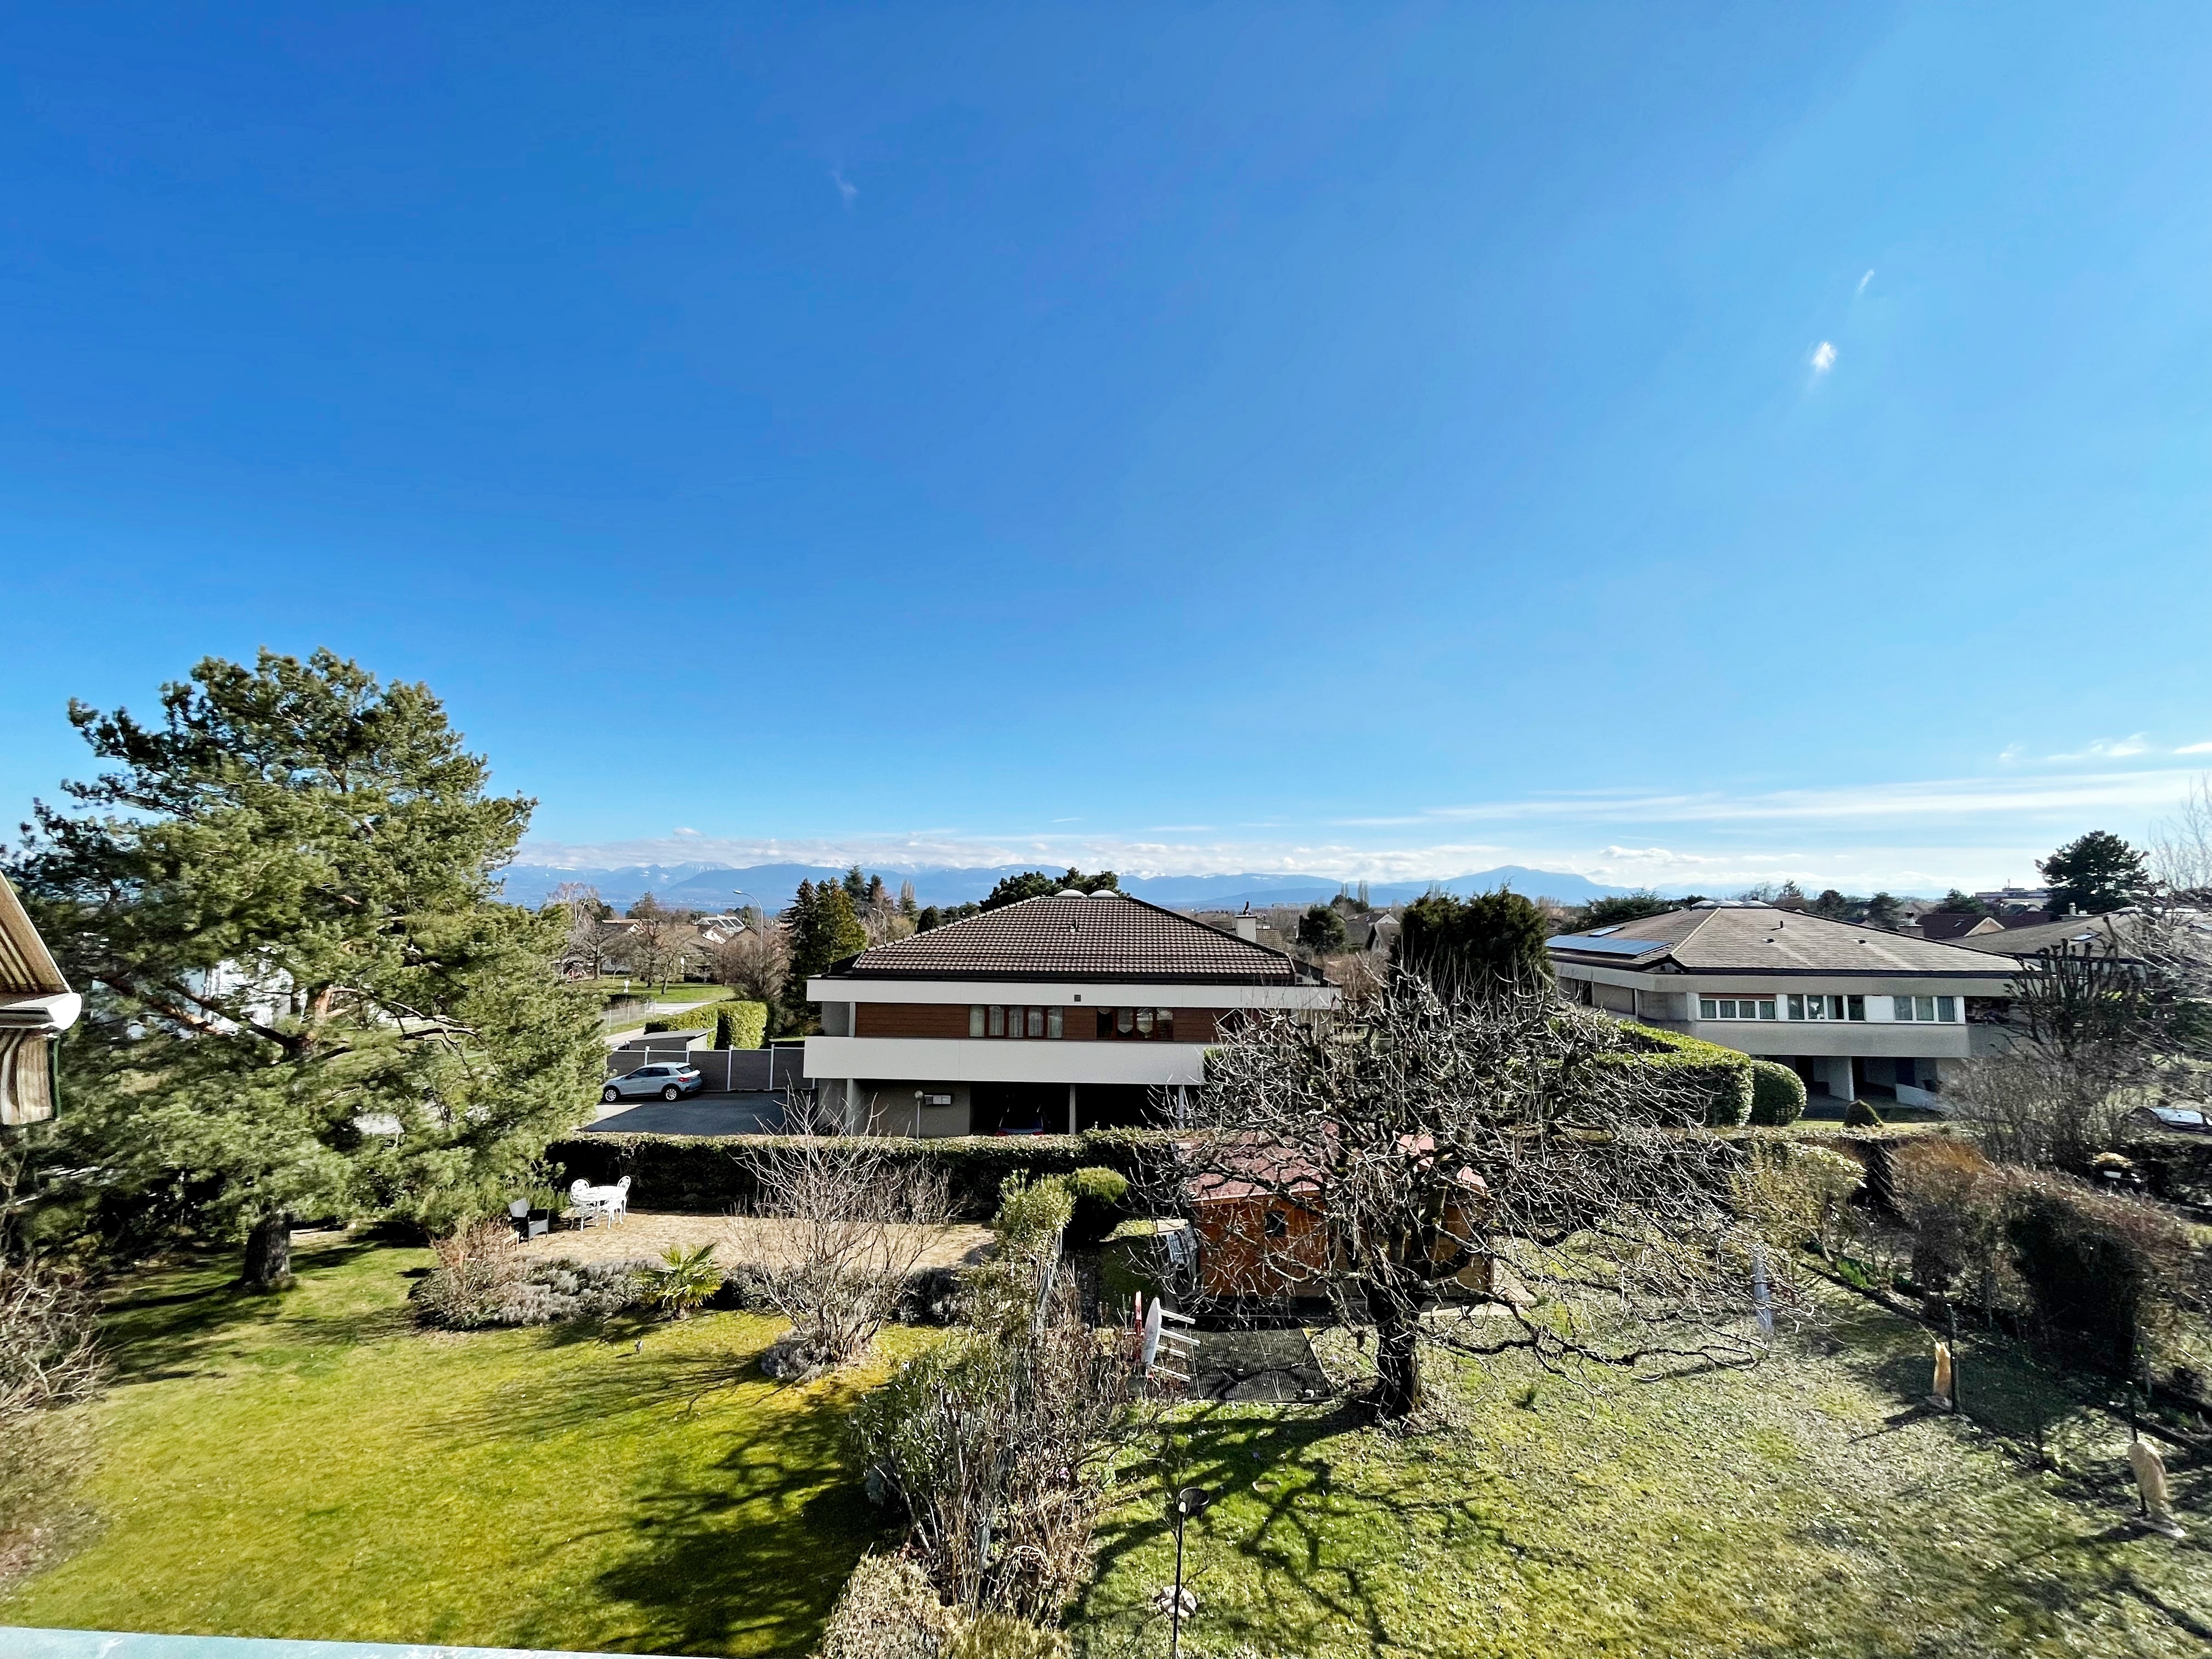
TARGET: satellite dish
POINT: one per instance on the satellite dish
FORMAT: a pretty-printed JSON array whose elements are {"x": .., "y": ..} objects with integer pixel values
[{"x": 1151, "y": 1349}]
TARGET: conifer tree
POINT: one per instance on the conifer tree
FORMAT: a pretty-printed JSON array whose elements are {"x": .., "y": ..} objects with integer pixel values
[{"x": 303, "y": 995}]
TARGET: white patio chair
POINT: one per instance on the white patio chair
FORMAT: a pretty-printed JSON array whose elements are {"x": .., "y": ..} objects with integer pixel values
[
  {"x": 617, "y": 1200},
  {"x": 586, "y": 1200}
]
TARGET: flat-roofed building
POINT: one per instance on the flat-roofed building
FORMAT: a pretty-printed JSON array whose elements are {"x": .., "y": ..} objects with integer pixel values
[
  {"x": 1856, "y": 1010},
  {"x": 1071, "y": 1012}
]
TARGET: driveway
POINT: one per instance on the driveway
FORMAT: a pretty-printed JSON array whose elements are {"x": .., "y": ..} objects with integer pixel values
[{"x": 761, "y": 1113}]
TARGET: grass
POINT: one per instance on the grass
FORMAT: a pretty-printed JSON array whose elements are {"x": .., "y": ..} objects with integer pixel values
[
  {"x": 675, "y": 991},
  {"x": 312, "y": 1465},
  {"x": 1804, "y": 1508}
]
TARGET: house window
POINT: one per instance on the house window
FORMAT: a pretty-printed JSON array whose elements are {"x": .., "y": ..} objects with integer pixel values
[
  {"x": 1036, "y": 1021},
  {"x": 1736, "y": 1007},
  {"x": 1144, "y": 1022},
  {"x": 1052, "y": 1022},
  {"x": 976, "y": 1019},
  {"x": 1943, "y": 1009},
  {"x": 1138, "y": 1024},
  {"x": 1276, "y": 1226},
  {"x": 1818, "y": 1007},
  {"x": 1125, "y": 1021},
  {"x": 1164, "y": 1023},
  {"x": 997, "y": 1019}
]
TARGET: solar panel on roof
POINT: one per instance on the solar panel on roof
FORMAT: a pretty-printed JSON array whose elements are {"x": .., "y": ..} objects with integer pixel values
[{"x": 1617, "y": 947}]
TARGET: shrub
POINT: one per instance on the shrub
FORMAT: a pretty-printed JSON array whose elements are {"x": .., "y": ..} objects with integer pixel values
[
  {"x": 1778, "y": 1094},
  {"x": 483, "y": 1279},
  {"x": 684, "y": 1280},
  {"x": 1945, "y": 1192},
  {"x": 889, "y": 1610},
  {"x": 740, "y": 1025},
  {"x": 1100, "y": 1196},
  {"x": 1002, "y": 1636},
  {"x": 1861, "y": 1116},
  {"x": 1713, "y": 1084},
  {"x": 2102, "y": 1272},
  {"x": 48, "y": 1359}
]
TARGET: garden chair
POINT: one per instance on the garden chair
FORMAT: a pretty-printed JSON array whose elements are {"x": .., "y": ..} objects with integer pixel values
[
  {"x": 585, "y": 1200},
  {"x": 617, "y": 1200}
]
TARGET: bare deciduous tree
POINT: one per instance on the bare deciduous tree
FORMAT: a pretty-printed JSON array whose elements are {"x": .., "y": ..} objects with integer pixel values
[
  {"x": 48, "y": 1359},
  {"x": 1479, "y": 1174},
  {"x": 2098, "y": 1025},
  {"x": 589, "y": 933},
  {"x": 662, "y": 943},
  {"x": 755, "y": 963},
  {"x": 834, "y": 1238},
  {"x": 2181, "y": 850}
]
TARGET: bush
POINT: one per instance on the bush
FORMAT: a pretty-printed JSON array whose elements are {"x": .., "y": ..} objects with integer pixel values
[
  {"x": 1947, "y": 1193},
  {"x": 740, "y": 1025},
  {"x": 1100, "y": 1196},
  {"x": 1002, "y": 1636},
  {"x": 482, "y": 1280},
  {"x": 2102, "y": 1272},
  {"x": 48, "y": 1360},
  {"x": 1862, "y": 1115},
  {"x": 1714, "y": 1084},
  {"x": 702, "y": 1174},
  {"x": 889, "y": 1610},
  {"x": 684, "y": 1280},
  {"x": 1778, "y": 1094}
]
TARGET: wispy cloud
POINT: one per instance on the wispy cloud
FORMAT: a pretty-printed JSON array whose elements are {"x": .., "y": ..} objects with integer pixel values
[
  {"x": 846, "y": 188},
  {"x": 2195, "y": 749},
  {"x": 2108, "y": 748},
  {"x": 1861, "y": 288},
  {"x": 1824, "y": 357}
]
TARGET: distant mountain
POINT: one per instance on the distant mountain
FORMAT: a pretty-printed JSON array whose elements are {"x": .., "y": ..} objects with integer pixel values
[{"x": 713, "y": 887}]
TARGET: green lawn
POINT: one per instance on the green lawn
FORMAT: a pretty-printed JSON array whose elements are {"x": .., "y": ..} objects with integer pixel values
[
  {"x": 313, "y": 1466},
  {"x": 1797, "y": 1510}
]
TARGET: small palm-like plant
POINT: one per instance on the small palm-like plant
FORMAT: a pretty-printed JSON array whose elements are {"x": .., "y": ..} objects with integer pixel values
[{"x": 686, "y": 1278}]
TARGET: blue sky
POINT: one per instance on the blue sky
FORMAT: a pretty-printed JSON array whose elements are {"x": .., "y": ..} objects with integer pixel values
[{"x": 1679, "y": 444}]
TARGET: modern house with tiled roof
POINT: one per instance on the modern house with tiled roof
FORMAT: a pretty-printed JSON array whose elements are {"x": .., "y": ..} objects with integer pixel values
[
  {"x": 1856, "y": 1010},
  {"x": 36, "y": 1006},
  {"x": 1073, "y": 1012}
]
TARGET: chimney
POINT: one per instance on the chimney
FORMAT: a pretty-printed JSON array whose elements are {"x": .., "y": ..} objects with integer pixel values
[{"x": 1248, "y": 926}]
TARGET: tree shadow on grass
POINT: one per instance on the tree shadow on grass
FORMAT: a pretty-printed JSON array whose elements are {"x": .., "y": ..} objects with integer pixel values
[
  {"x": 749, "y": 1556},
  {"x": 175, "y": 1321},
  {"x": 1284, "y": 1465}
]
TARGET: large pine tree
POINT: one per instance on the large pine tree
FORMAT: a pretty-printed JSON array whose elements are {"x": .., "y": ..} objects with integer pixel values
[{"x": 304, "y": 996}]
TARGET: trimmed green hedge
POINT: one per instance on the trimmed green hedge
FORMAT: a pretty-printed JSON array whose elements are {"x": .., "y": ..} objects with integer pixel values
[
  {"x": 735, "y": 1025},
  {"x": 1778, "y": 1094},
  {"x": 740, "y": 1025},
  {"x": 701, "y": 1174},
  {"x": 1720, "y": 1079}
]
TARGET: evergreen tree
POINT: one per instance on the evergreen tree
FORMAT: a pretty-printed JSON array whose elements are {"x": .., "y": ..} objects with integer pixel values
[
  {"x": 1881, "y": 911},
  {"x": 824, "y": 931},
  {"x": 2095, "y": 874},
  {"x": 1320, "y": 930},
  {"x": 1476, "y": 947},
  {"x": 1616, "y": 908},
  {"x": 1036, "y": 883},
  {"x": 303, "y": 994},
  {"x": 856, "y": 886},
  {"x": 906, "y": 906}
]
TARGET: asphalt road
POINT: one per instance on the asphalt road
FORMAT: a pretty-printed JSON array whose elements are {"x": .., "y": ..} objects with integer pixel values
[{"x": 698, "y": 1114}]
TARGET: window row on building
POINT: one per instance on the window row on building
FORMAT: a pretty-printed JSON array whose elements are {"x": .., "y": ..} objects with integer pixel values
[
  {"x": 1811, "y": 1006},
  {"x": 995, "y": 1019}
]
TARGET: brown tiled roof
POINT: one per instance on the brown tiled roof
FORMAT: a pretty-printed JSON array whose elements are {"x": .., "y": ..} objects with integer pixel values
[
  {"x": 2103, "y": 935},
  {"x": 1106, "y": 937},
  {"x": 1755, "y": 939}
]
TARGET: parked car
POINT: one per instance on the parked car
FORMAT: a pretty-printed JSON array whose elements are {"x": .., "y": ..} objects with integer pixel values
[{"x": 669, "y": 1082}]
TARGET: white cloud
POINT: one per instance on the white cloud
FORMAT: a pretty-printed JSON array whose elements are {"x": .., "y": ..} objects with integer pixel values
[
  {"x": 2012, "y": 753},
  {"x": 2195, "y": 749},
  {"x": 1864, "y": 280},
  {"x": 687, "y": 832},
  {"x": 2108, "y": 748},
  {"x": 1824, "y": 357},
  {"x": 846, "y": 188}
]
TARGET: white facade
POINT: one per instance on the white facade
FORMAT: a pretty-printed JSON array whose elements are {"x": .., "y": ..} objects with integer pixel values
[{"x": 924, "y": 1085}]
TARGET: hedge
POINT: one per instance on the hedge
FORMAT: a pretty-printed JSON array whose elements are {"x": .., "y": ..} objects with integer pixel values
[
  {"x": 714, "y": 1174},
  {"x": 740, "y": 1025},
  {"x": 735, "y": 1025},
  {"x": 1720, "y": 1079},
  {"x": 1778, "y": 1094}
]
